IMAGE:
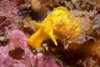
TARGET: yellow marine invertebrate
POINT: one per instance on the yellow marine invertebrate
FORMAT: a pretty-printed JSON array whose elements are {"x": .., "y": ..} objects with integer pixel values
[{"x": 60, "y": 24}]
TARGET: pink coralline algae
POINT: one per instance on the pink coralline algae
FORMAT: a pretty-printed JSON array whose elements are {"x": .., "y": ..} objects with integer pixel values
[
  {"x": 4, "y": 24},
  {"x": 9, "y": 8},
  {"x": 17, "y": 54}
]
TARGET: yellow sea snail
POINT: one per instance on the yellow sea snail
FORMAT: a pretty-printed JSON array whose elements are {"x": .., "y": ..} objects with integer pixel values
[{"x": 60, "y": 24}]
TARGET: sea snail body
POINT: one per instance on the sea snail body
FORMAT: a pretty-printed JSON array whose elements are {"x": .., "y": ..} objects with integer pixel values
[{"x": 60, "y": 24}]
